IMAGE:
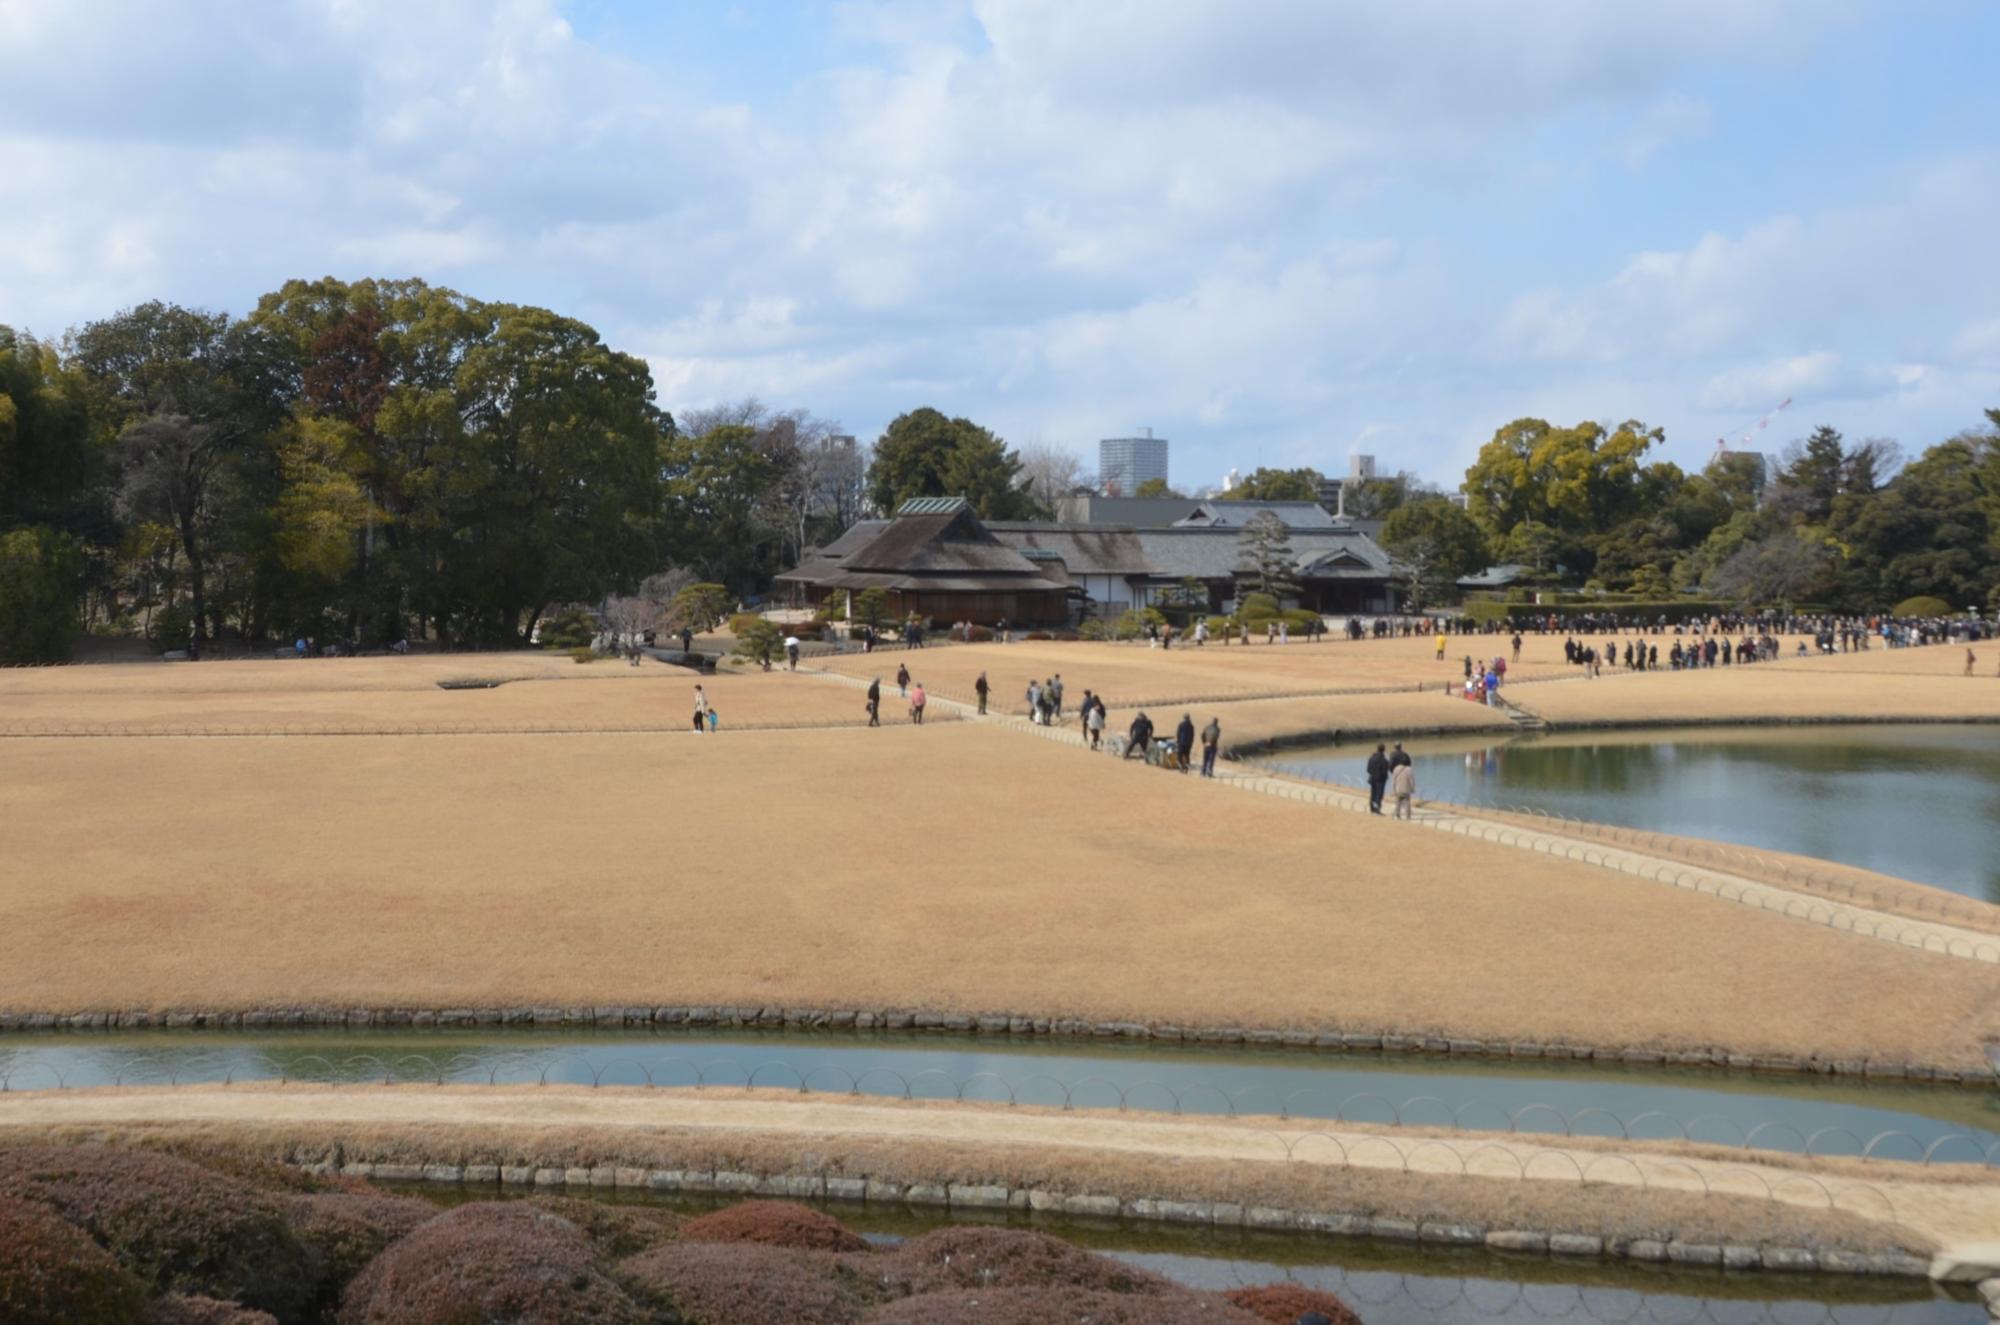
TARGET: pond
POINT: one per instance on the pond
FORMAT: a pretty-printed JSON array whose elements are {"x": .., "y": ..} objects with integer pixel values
[
  {"x": 1827, "y": 1116},
  {"x": 1919, "y": 802}
]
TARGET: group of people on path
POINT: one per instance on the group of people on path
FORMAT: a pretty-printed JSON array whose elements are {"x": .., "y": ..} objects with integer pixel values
[
  {"x": 1391, "y": 771},
  {"x": 909, "y": 690}
]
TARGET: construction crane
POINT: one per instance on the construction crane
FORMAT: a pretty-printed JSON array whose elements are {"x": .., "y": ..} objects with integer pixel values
[{"x": 1722, "y": 443}]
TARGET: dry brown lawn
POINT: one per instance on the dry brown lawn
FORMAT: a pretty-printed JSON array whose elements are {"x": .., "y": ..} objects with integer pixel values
[
  {"x": 539, "y": 690},
  {"x": 1131, "y": 674},
  {"x": 963, "y": 868},
  {"x": 1834, "y": 688}
]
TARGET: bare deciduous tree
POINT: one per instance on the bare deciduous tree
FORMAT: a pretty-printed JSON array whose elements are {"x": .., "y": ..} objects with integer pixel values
[{"x": 1049, "y": 473}]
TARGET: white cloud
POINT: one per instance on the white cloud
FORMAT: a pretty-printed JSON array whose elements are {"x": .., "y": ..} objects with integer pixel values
[{"x": 1065, "y": 219}]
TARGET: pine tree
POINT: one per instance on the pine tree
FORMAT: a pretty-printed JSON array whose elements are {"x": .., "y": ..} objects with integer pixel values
[{"x": 1264, "y": 556}]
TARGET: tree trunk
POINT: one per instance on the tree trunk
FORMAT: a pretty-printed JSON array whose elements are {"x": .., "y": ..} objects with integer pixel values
[{"x": 197, "y": 589}]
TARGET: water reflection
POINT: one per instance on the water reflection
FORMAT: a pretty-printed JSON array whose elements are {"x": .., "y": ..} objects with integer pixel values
[{"x": 1918, "y": 802}]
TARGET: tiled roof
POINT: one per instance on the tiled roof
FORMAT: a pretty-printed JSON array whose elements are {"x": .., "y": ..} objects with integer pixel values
[{"x": 932, "y": 506}]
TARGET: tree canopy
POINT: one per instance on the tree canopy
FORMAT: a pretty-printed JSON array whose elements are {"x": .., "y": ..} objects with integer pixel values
[{"x": 924, "y": 454}]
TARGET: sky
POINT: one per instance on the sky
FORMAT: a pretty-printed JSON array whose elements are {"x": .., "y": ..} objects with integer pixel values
[{"x": 1274, "y": 232}]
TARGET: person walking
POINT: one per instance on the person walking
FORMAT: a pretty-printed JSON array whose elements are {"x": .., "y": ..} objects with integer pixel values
[
  {"x": 1403, "y": 785},
  {"x": 917, "y": 704},
  {"x": 1971, "y": 660},
  {"x": 1055, "y": 689},
  {"x": 1138, "y": 737},
  {"x": 1517, "y": 646},
  {"x": 979, "y": 688},
  {"x": 791, "y": 653},
  {"x": 1034, "y": 700},
  {"x": 1211, "y": 744},
  {"x": 1093, "y": 720},
  {"x": 1184, "y": 742},
  {"x": 700, "y": 709},
  {"x": 903, "y": 680},
  {"x": 1378, "y": 778},
  {"x": 687, "y": 640},
  {"x": 875, "y": 702},
  {"x": 1440, "y": 646}
]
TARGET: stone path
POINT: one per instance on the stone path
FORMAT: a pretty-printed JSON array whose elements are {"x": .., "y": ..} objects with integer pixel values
[
  {"x": 1955, "y": 1211},
  {"x": 1920, "y": 935}
]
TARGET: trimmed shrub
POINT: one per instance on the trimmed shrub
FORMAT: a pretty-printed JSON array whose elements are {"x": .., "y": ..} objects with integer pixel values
[
  {"x": 177, "y": 1226},
  {"x": 346, "y": 1230},
  {"x": 54, "y": 1272},
  {"x": 617, "y": 1231},
  {"x": 175, "y": 1309},
  {"x": 774, "y": 1224},
  {"x": 953, "y": 1258},
  {"x": 574, "y": 629},
  {"x": 1923, "y": 605},
  {"x": 490, "y": 1262},
  {"x": 1094, "y": 630},
  {"x": 1283, "y": 1304},
  {"x": 1044, "y": 1306},
  {"x": 742, "y": 621},
  {"x": 747, "y": 1284},
  {"x": 584, "y": 654},
  {"x": 171, "y": 627}
]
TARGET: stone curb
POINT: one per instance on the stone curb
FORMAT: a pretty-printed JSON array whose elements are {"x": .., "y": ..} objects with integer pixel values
[
  {"x": 989, "y": 1197},
  {"x": 1325, "y": 1039}
]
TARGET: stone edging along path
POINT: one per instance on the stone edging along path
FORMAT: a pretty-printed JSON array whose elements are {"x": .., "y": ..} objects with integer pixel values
[{"x": 1011, "y": 1025}]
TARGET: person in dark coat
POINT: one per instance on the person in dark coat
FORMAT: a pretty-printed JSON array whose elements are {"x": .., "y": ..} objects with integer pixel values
[
  {"x": 1184, "y": 742},
  {"x": 980, "y": 688},
  {"x": 1398, "y": 757},
  {"x": 875, "y": 702},
  {"x": 1138, "y": 737},
  {"x": 1378, "y": 778}
]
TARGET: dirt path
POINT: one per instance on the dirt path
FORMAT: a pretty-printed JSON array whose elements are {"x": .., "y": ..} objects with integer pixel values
[{"x": 1956, "y": 1210}]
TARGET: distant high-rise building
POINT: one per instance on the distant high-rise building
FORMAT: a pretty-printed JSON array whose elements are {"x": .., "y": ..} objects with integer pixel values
[
  {"x": 1360, "y": 469},
  {"x": 1123, "y": 463}
]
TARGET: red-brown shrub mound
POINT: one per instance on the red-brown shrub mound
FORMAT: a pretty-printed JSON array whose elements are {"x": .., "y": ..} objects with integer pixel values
[
  {"x": 50, "y": 1271},
  {"x": 176, "y": 1225},
  {"x": 1283, "y": 1304},
  {"x": 1009, "y": 1258},
  {"x": 774, "y": 1224},
  {"x": 617, "y": 1231},
  {"x": 747, "y": 1284},
  {"x": 174, "y": 1309},
  {"x": 493, "y": 1264},
  {"x": 1059, "y": 1306},
  {"x": 346, "y": 1230}
]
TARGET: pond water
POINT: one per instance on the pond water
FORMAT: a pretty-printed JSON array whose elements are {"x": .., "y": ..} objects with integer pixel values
[
  {"x": 1827, "y": 1116},
  {"x": 1397, "y": 1284},
  {"x": 1917, "y": 801}
]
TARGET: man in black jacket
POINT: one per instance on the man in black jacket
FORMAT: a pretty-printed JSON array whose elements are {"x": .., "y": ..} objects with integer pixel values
[
  {"x": 875, "y": 702},
  {"x": 1184, "y": 742},
  {"x": 1378, "y": 779},
  {"x": 1138, "y": 737}
]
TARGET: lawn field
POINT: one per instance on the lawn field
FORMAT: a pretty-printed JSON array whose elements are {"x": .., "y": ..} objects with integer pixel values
[
  {"x": 963, "y": 867},
  {"x": 1133, "y": 674},
  {"x": 535, "y": 690}
]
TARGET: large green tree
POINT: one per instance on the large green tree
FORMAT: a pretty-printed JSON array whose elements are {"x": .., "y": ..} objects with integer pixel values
[
  {"x": 1263, "y": 484},
  {"x": 924, "y": 454},
  {"x": 1579, "y": 481},
  {"x": 1437, "y": 543}
]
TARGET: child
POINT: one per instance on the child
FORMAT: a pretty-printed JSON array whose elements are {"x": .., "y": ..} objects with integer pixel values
[{"x": 714, "y": 720}]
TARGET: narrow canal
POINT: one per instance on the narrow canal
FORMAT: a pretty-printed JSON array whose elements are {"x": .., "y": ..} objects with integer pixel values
[{"x": 1824, "y": 1116}]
